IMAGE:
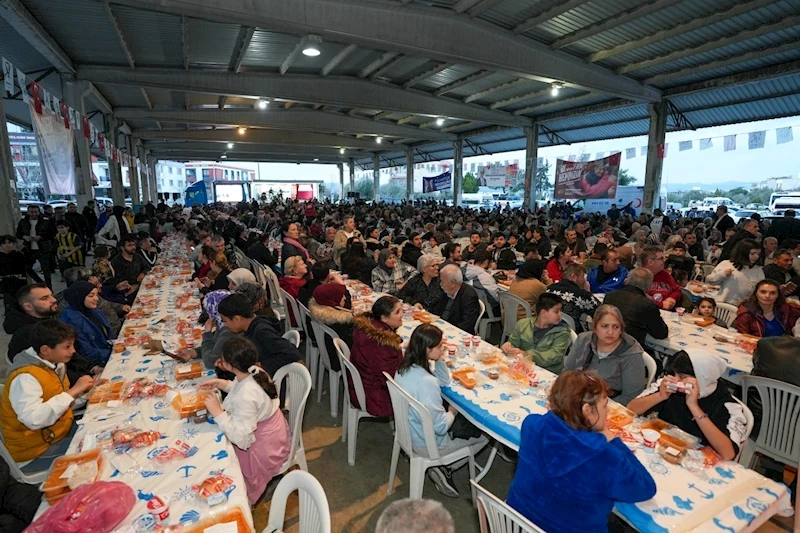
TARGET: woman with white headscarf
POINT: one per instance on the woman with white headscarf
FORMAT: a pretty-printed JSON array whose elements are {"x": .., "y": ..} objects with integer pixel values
[
  {"x": 706, "y": 410},
  {"x": 240, "y": 276}
]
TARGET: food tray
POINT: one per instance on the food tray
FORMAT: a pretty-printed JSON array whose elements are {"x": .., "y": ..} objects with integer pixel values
[
  {"x": 106, "y": 391},
  {"x": 234, "y": 514},
  {"x": 619, "y": 415},
  {"x": 55, "y": 487},
  {"x": 188, "y": 371}
]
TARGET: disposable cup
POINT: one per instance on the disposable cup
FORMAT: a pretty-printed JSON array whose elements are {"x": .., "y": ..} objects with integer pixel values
[{"x": 651, "y": 437}]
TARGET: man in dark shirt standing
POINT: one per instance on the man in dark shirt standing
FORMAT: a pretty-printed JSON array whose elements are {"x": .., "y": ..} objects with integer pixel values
[{"x": 128, "y": 266}]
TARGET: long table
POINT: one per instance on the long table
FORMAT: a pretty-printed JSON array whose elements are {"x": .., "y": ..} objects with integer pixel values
[
  {"x": 215, "y": 453},
  {"x": 728, "y": 497}
]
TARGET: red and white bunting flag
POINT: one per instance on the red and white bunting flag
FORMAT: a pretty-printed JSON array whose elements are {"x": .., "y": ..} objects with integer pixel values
[
  {"x": 37, "y": 97},
  {"x": 86, "y": 129},
  {"x": 65, "y": 114}
]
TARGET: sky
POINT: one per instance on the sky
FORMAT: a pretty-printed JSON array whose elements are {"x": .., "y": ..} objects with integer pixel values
[{"x": 713, "y": 165}]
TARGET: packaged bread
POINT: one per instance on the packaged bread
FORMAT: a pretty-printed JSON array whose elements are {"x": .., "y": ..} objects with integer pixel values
[{"x": 465, "y": 376}]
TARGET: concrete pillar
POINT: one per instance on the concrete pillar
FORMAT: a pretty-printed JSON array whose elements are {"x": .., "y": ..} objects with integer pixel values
[
  {"x": 458, "y": 166},
  {"x": 352, "y": 164},
  {"x": 153, "y": 178},
  {"x": 655, "y": 161},
  {"x": 409, "y": 173},
  {"x": 73, "y": 94},
  {"x": 9, "y": 201},
  {"x": 376, "y": 175},
  {"x": 114, "y": 166},
  {"x": 341, "y": 180},
  {"x": 133, "y": 171},
  {"x": 144, "y": 170},
  {"x": 531, "y": 160}
]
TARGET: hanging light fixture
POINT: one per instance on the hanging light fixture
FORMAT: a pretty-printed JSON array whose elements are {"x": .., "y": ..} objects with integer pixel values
[
  {"x": 262, "y": 103},
  {"x": 242, "y": 130},
  {"x": 230, "y": 146},
  {"x": 312, "y": 46},
  {"x": 316, "y": 159},
  {"x": 440, "y": 121},
  {"x": 379, "y": 140},
  {"x": 555, "y": 87},
  {"x": 224, "y": 156},
  {"x": 341, "y": 151}
]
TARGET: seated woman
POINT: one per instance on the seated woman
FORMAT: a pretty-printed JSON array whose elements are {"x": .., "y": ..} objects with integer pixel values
[
  {"x": 376, "y": 349},
  {"x": 327, "y": 307},
  {"x": 527, "y": 284},
  {"x": 238, "y": 277},
  {"x": 93, "y": 330},
  {"x": 573, "y": 487},
  {"x": 423, "y": 290},
  {"x": 416, "y": 378},
  {"x": 214, "y": 332},
  {"x": 388, "y": 276},
  {"x": 258, "y": 298},
  {"x": 543, "y": 337},
  {"x": 707, "y": 410},
  {"x": 291, "y": 246},
  {"x": 612, "y": 353},
  {"x": 737, "y": 276},
  {"x": 294, "y": 270},
  {"x": 562, "y": 255},
  {"x": 766, "y": 313},
  {"x": 356, "y": 264},
  {"x": 220, "y": 268}
]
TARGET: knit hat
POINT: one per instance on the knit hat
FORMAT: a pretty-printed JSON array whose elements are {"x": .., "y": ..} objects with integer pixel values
[{"x": 329, "y": 294}]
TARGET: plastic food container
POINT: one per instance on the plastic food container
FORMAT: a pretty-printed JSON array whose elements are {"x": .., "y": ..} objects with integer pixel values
[
  {"x": 55, "y": 487},
  {"x": 188, "y": 371},
  {"x": 106, "y": 392}
]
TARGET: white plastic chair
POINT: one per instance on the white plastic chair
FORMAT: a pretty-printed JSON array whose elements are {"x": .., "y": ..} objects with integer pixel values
[
  {"x": 334, "y": 377},
  {"x": 293, "y": 337},
  {"x": 275, "y": 297},
  {"x": 35, "y": 478},
  {"x": 572, "y": 336},
  {"x": 496, "y": 516},
  {"x": 725, "y": 313},
  {"x": 651, "y": 367},
  {"x": 352, "y": 413},
  {"x": 315, "y": 514},
  {"x": 402, "y": 405},
  {"x": 748, "y": 428},
  {"x": 568, "y": 320},
  {"x": 293, "y": 321},
  {"x": 509, "y": 305},
  {"x": 489, "y": 317},
  {"x": 779, "y": 434},
  {"x": 312, "y": 352},
  {"x": 480, "y": 315},
  {"x": 298, "y": 383}
]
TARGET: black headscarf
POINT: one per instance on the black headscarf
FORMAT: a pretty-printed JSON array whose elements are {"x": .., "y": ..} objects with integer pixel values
[
  {"x": 75, "y": 296},
  {"x": 531, "y": 269}
]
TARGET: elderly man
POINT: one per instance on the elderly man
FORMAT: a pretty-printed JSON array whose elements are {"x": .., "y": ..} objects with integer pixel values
[
  {"x": 664, "y": 291},
  {"x": 780, "y": 271},
  {"x": 609, "y": 275},
  {"x": 694, "y": 247},
  {"x": 770, "y": 247},
  {"x": 785, "y": 228},
  {"x": 722, "y": 221},
  {"x": 459, "y": 303},
  {"x": 641, "y": 314}
]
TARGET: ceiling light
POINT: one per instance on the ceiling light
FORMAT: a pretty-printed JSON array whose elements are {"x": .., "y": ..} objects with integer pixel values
[
  {"x": 262, "y": 103},
  {"x": 242, "y": 130},
  {"x": 379, "y": 140},
  {"x": 230, "y": 146},
  {"x": 312, "y": 46},
  {"x": 440, "y": 121},
  {"x": 223, "y": 156},
  {"x": 555, "y": 87},
  {"x": 316, "y": 159},
  {"x": 341, "y": 151}
]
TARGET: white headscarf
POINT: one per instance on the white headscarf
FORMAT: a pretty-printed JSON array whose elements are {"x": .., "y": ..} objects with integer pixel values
[{"x": 707, "y": 370}]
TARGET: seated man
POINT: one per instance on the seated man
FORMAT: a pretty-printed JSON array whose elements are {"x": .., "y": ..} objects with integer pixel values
[
  {"x": 503, "y": 257},
  {"x": 544, "y": 338},
  {"x": 128, "y": 267},
  {"x": 478, "y": 276},
  {"x": 574, "y": 290},
  {"x": 609, "y": 275},
  {"x": 36, "y": 406},
  {"x": 679, "y": 260},
  {"x": 459, "y": 303},
  {"x": 640, "y": 313}
]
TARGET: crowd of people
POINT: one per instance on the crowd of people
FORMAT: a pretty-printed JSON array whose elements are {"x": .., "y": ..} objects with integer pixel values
[{"x": 435, "y": 257}]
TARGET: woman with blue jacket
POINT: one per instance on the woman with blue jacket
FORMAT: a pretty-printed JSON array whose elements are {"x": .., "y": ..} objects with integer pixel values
[{"x": 94, "y": 331}]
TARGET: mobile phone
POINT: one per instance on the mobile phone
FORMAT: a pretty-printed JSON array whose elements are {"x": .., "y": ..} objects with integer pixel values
[
  {"x": 172, "y": 355},
  {"x": 790, "y": 286}
]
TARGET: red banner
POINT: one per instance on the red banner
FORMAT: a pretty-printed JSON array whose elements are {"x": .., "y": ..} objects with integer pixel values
[{"x": 591, "y": 179}]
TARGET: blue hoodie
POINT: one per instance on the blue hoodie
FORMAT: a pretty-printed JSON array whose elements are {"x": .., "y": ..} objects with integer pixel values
[
  {"x": 568, "y": 480},
  {"x": 612, "y": 283}
]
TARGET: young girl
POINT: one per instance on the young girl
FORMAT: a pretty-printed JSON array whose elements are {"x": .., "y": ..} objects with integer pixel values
[
  {"x": 250, "y": 416},
  {"x": 706, "y": 307},
  {"x": 415, "y": 377}
]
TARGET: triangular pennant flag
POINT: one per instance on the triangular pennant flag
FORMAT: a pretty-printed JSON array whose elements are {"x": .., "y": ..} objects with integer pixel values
[
  {"x": 684, "y": 145},
  {"x": 37, "y": 98},
  {"x": 643, "y": 150},
  {"x": 57, "y": 106},
  {"x": 8, "y": 76},
  {"x": 65, "y": 114},
  {"x": 785, "y": 135},
  {"x": 86, "y": 130},
  {"x": 730, "y": 143},
  {"x": 630, "y": 153},
  {"x": 22, "y": 81},
  {"x": 571, "y": 158},
  {"x": 756, "y": 139},
  {"x": 47, "y": 104},
  {"x": 585, "y": 158},
  {"x": 600, "y": 155},
  {"x": 705, "y": 144}
]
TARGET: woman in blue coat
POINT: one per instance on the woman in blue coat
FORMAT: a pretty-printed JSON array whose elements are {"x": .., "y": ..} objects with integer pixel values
[
  {"x": 571, "y": 469},
  {"x": 94, "y": 331}
]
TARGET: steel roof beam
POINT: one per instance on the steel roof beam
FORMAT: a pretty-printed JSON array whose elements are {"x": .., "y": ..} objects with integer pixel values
[
  {"x": 613, "y": 21},
  {"x": 19, "y": 18},
  {"x": 784, "y": 23},
  {"x": 466, "y": 80},
  {"x": 520, "y": 98},
  {"x": 219, "y": 147},
  {"x": 427, "y": 74},
  {"x": 740, "y": 8},
  {"x": 292, "y": 56},
  {"x": 496, "y": 89},
  {"x": 253, "y": 136},
  {"x": 482, "y": 7},
  {"x": 343, "y": 92},
  {"x": 554, "y": 103},
  {"x": 592, "y": 109},
  {"x": 378, "y": 63},
  {"x": 338, "y": 58},
  {"x": 414, "y": 30},
  {"x": 266, "y": 158},
  {"x": 753, "y": 76},
  {"x": 555, "y": 11},
  {"x": 464, "y": 5},
  {"x": 387, "y": 67}
]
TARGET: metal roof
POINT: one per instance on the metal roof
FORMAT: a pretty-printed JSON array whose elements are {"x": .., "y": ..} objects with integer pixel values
[{"x": 390, "y": 70}]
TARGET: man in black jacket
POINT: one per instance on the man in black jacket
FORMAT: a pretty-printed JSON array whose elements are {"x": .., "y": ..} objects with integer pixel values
[
  {"x": 260, "y": 252},
  {"x": 749, "y": 230},
  {"x": 785, "y": 228},
  {"x": 694, "y": 247},
  {"x": 574, "y": 290},
  {"x": 37, "y": 232},
  {"x": 780, "y": 271},
  {"x": 641, "y": 314},
  {"x": 412, "y": 250},
  {"x": 18, "y": 502},
  {"x": 274, "y": 351},
  {"x": 722, "y": 221},
  {"x": 503, "y": 257},
  {"x": 459, "y": 303}
]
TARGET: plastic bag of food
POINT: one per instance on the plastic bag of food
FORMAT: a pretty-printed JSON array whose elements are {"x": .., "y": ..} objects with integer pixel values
[{"x": 94, "y": 508}]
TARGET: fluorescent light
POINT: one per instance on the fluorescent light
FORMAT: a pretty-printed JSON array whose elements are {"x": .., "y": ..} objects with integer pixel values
[
  {"x": 379, "y": 140},
  {"x": 312, "y": 46},
  {"x": 223, "y": 156},
  {"x": 230, "y": 146},
  {"x": 316, "y": 159},
  {"x": 440, "y": 121},
  {"x": 555, "y": 87},
  {"x": 262, "y": 103},
  {"x": 341, "y": 150},
  {"x": 242, "y": 130}
]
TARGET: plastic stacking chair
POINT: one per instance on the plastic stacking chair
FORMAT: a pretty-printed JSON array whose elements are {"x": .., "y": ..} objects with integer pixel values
[
  {"x": 779, "y": 435},
  {"x": 402, "y": 405},
  {"x": 293, "y": 337},
  {"x": 496, "y": 516},
  {"x": 568, "y": 320},
  {"x": 320, "y": 332},
  {"x": 510, "y": 303},
  {"x": 298, "y": 387},
  {"x": 489, "y": 317},
  {"x": 725, "y": 313},
  {"x": 293, "y": 321},
  {"x": 651, "y": 368},
  {"x": 315, "y": 515},
  {"x": 352, "y": 413},
  {"x": 312, "y": 352},
  {"x": 32, "y": 478},
  {"x": 480, "y": 315},
  {"x": 748, "y": 428},
  {"x": 275, "y": 297}
]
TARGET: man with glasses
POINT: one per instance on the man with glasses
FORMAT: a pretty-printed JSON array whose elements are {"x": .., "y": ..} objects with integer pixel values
[{"x": 664, "y": 291}]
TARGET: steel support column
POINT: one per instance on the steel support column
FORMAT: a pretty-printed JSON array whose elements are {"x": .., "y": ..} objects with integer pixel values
[
  {"x": 351, "y": 163},
  {"x": 133, "y": 171},
  {"x": 145, "y": 172},
  {"x": 458, "y": 165},
  {"x": 409, "y": 173},
  {"x": 114, "y": 166},
  {"x": 9, "y": 202},
  {"x": 531, "y": 160},
  {"x": 376, "y": 175},
  {"x": 655, "y": 154},
  {"x": 341, "y": 180},
  {"x": 73, "y": 94},
  {"x": 153, "y": 177}
]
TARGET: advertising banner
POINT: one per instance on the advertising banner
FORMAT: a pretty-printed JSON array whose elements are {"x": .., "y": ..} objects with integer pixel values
[
  {"x": 442, "y": 182},
  {"x": 492, "y": 176},
  {"x": 576, "y": 180},
  {"x": 56, "y": 151}
]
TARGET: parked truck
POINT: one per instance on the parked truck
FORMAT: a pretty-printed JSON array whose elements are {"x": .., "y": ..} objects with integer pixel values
[{"x": 208, "y": 192}]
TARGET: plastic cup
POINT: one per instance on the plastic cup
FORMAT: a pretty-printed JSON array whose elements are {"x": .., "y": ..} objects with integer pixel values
[
  {"x": 476, "y": 341},
  {"x": 467, "y": 342},
  {"x": 651, "y": 437},
  {"x": 345, "y": 277}
]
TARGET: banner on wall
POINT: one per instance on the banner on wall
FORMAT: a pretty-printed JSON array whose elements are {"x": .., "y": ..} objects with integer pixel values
[
  {"x": 492, "y": 176},
  {"x": 442, "y": 182},
  {"x": 55, "y": 149},
  {"x": 576, "y": 180}
]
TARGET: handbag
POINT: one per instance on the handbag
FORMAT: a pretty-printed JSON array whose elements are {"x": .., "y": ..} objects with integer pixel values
[{"x": 463, "y": 428}]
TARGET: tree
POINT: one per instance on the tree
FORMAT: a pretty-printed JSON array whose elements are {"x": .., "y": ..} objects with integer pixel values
[
  {"x": 541, "y": 184},
  {"x": 469, "y": 184},
  {"x": 738, "y": 190},
  {"x": 624, "y": 179},
  {"x": 366, "y": 188},
  {"x": 392, "y": 190}
]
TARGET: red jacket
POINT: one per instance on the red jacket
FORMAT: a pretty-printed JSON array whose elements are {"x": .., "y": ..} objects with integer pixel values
[
  {"x": 292, "y": 286},
  {"x": 376, "y": 349},
  {"x": 555, "y": 271},
  {"x": 750, "y": 319},
  {"x": 663, "y": 287}
]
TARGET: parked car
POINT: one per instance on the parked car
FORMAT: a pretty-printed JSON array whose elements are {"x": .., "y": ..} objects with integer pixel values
[{"x": 23, "y": 206}]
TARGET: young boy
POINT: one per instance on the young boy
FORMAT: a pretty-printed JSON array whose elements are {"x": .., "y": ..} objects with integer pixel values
[
  {"x": 682, "y": 279},
  {"x": 36, "y": 406},
  {"x": 68, "y": 245}
]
